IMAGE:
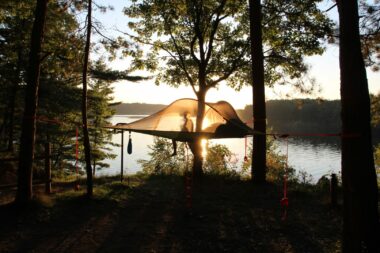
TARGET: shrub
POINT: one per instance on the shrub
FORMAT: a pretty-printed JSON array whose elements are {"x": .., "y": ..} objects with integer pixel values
[
  {"x": 218, "y": 161},
  {"x": 276, "y": 164},
  {"x": 161, "y": 160}
]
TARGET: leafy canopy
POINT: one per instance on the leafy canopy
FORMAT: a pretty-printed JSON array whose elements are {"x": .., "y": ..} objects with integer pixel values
[
  {"x": 370, "y": 32},
  {"x": 198, "y": 43},
  {"x": 191, "y": 40},
  {"x": 291, "y": 31}
]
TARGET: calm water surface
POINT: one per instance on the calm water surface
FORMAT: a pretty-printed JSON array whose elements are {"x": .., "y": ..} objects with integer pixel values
[{"x": 315, "y": 156}]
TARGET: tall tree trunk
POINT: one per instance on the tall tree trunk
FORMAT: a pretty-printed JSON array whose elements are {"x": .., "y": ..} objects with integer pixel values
[
  {"x": 93, "y": 167},
  {"x": 258, "y": 170},
  {"x": 360, "y": 218},
  {"x": 28, "y": 130},
  {"x": 197, "y": 149},
  {"x": 86, "y": 139}
]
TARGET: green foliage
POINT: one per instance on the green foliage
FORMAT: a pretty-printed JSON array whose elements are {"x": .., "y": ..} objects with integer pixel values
[
  {"x": 375, "y": 117},
  {"x": 198, "y": 43},
  {"x": 304, "y": 178},
  {"x": 292, "y": 30},
  {"x": 204, "y": 42},
  {"x": 161, "y": 160},
  {"x": 115, "y": 75},
  {"x": 59, "y": 95},
  {"x": 15, "y": 29},
  {"x": 219, "y": 159},
  {"x": 369, "y": 13},
  {"x": 99, "y": 111},
  {"x": 276, "y": 164},
  {"x": 210, "y": 38},
  {"x": 375, "y": 109},
  {"x": 63, "y": 135},
  {"x": 369, "y": 27},
  {"x": 377, "y": 163}
]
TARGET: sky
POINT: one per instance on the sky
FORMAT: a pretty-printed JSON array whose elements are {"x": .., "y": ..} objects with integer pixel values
[{"x": 324, "y": 69}]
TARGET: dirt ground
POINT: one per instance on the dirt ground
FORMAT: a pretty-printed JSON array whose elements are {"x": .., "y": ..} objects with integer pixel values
[{"x": 151, "y": 215}]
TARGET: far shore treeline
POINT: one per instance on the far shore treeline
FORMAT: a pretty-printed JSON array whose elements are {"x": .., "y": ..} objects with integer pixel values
[{"x": 283, "y": 116}]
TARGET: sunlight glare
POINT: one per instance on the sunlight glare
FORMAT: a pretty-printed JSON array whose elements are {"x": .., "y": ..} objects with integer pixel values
[
  {"x": 205, "y": 123},
  {"x": 204, "y": 143}
]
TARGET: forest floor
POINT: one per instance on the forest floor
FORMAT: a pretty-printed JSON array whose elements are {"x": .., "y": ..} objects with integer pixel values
[{"x": 150, "y": 214}]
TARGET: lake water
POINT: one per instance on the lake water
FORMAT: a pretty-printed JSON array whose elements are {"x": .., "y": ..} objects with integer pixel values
[{"x": 316, "y": 156}]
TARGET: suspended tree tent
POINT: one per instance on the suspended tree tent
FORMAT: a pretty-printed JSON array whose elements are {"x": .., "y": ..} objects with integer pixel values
[{"x": 220, "y": 121}]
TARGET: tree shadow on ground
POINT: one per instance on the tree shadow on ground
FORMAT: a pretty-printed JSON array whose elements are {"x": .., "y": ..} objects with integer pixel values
[{"x": 226, "y": 216}]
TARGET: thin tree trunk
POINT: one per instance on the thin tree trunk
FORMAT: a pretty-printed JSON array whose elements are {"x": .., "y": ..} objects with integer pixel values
[
  {"x": 86, "y": 139},
  {"x": 360, "y": 215},
  {"x": 197, "y": 149},
  {"x": 28, "y": 131},
  {"x": 258, "y": 170},
  {"x": 47, "y": 166},
  {"x": 94, "y": 148}
]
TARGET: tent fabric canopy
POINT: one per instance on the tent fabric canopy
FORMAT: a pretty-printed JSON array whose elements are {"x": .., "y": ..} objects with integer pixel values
[{"x": 177, "y": 122}]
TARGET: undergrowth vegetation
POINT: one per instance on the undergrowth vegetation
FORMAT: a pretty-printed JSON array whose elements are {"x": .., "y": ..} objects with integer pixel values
[{"x": 218, "y": 161}]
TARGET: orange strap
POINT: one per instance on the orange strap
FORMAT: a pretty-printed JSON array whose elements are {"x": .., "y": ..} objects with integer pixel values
[
  {"x": 76, "y": 150},
  {"x": 285, "y": 201}
]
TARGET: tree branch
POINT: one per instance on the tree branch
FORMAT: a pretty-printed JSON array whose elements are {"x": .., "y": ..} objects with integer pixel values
[
  {"x": 114, "y": 75},
  {"x": 235, "y": 66},
  {"x": 192, "y": 43},
  {"x": 214, "y": 30},
  {"x": 102, "y": 35},
  {"x": 330, "y": 8},
  {"x": 182, "y": 64}
]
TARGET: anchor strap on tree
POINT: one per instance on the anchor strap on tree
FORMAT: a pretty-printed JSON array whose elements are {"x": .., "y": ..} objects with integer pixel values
[
  {"x": 285, "y": 201},
  {"x": 76, "y": 186}
]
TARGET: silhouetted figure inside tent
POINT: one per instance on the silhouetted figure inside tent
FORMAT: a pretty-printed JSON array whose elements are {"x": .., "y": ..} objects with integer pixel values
[{"x": 188, "y": 126}]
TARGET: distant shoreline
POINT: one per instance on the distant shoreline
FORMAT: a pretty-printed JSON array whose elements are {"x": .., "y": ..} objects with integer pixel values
[{"x": 132, "y": 116}]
